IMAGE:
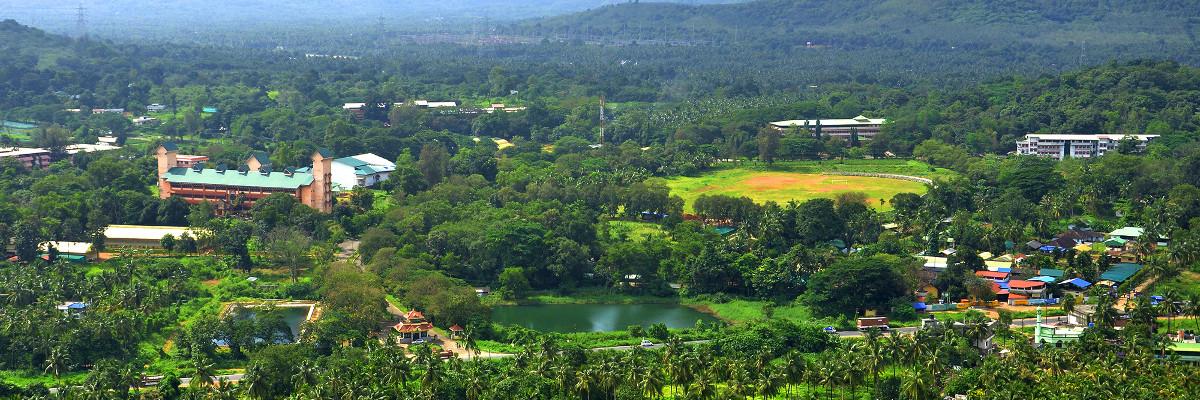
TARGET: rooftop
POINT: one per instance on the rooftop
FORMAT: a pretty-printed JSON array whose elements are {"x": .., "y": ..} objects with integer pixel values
[
  {"x": 1060, "y": 136},
  {"x": 856, "y": 121},
  {"x": 1120, "y": 272},
  {"x": 21, "y": 151},
  {"x": 1024, "y": 284},
  {"x": 250, "y": 179},
  {"x": 145, "y": 232}
]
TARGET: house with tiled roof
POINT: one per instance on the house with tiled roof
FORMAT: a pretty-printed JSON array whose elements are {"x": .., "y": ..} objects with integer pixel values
[{"x": 234, "y": 189}]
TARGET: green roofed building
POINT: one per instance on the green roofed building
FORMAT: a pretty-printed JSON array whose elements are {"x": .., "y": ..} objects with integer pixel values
[
  {"x": 235, "y": 189},
  {"x": 1121, "y": 272}
]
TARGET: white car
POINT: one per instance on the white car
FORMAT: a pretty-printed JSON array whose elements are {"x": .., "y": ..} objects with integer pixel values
[{"x": 647, "y": 343}]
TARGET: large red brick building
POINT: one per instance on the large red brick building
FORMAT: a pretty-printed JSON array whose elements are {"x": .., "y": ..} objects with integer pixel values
[{"x": 189, "y": 179}]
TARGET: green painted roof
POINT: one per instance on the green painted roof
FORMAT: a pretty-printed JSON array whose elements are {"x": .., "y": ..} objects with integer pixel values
[
  {"x": 1051, "y": 272},
  {"x": 277, "y": 180},
  {"x": 1120, "y": 272},
  {"x": 262, "y": 157}
]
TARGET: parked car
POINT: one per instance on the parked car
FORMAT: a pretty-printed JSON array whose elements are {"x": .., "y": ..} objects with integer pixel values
[
  {"x": 647, "y": 343},
  {"x": 830, "y": 330}
]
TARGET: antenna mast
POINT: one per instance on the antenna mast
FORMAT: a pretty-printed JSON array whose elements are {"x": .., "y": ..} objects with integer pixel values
[{"x": 603, "y": 118}]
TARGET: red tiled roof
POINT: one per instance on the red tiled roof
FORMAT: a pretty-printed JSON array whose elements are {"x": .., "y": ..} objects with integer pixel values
[
  {"x": 1023, "y": 284},
  {"x": 991, "y": 274},
  {"x": 407, "y": 328},
  {"x": 414, "y": 314},
  {"x": 456, "y": 328},
  {"x": 997, "y": 289}
]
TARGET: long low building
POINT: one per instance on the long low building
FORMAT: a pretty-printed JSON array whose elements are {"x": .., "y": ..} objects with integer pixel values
[
  {"x": 231, "y": 190},
  {"x": 845, "y": 128},
  {"x": 142, "y": 236},
  {"x": 1062, "y": 146},
  {"x": 29, "y": 157}
]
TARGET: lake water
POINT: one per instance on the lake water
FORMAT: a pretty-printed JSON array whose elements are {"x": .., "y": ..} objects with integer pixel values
[
  {"x": 597, "y": 317},
  {"x": 293, "y": 316}
]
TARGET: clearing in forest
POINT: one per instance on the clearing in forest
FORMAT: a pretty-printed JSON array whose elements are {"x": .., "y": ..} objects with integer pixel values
[{"x": 781, "y": 187}]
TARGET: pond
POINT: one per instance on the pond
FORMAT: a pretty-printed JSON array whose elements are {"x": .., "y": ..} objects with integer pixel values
[
  {"x": 597, "y": 317},
  {"x": 292, "y": 315}
]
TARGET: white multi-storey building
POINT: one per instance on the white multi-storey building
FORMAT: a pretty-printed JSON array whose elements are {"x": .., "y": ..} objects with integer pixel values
[{"x": 1060, "y": 146}]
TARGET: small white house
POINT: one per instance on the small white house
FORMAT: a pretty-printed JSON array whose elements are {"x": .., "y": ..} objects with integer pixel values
[{"x": 361, "y": 170}]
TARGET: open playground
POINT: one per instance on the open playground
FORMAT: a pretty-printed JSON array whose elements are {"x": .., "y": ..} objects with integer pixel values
[{"x": 783, "y": 185}]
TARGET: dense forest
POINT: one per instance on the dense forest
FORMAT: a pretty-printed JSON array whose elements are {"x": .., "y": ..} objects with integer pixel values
[{"x": 487, "y": 210}]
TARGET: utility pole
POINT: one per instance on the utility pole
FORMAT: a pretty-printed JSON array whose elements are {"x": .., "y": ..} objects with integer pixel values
[{"x": 81, "y": 21}]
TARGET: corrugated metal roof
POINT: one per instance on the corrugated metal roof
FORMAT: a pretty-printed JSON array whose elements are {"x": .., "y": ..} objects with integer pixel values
[
  {"x": 1120, "y": 272},
  {"x": 252, "y": 179}
]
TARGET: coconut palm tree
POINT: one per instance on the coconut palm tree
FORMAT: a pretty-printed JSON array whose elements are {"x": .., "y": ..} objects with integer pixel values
[
  {"x": 57, "y": 360},
  {"x": 651, "y": 383},
  {"x": 583, "y": 383},
  {"x": 475, "y": 384},
  {"x": 918, "y": 387},
  {"x": 306, "y": 375},
  {"x": 794, "y": 368},
  {"x": 204, "y": 372},
  {"x": 704, "y": 387}
]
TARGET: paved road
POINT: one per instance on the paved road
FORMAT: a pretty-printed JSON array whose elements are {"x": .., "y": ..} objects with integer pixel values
[
  {"x": 1017, "y": 323},
  {"x": 233, "y": 378}
]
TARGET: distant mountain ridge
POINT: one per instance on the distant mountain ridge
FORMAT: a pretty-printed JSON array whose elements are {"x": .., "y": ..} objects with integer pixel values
[
  {"x": 896, "y": 22},
  {"x": 117, "y": 18}
]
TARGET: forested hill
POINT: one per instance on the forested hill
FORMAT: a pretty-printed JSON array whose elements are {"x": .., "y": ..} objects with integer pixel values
[
  {"x": 203, "y": 20},
  {"x": 1088, "y": 29}
]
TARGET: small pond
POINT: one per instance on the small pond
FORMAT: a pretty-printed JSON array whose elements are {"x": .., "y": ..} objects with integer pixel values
[
  {"x": 597, "y": 317},
  {"x": 292, "y": 315}
]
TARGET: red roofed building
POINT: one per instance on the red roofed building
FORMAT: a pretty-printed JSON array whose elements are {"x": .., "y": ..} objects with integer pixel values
[
  {"x": 414, "y": 316},
  {"x": 414, "y": 327},
  {"x": 995, "y": 276},
  {"x": 455, "y": 330},
  {"x": 1027, "y": 288},
  {"x": 410, "y": 332}
]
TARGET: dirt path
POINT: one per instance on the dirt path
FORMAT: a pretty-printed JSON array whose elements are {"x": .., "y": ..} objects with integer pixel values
[{"x": 1120, "y": 305}]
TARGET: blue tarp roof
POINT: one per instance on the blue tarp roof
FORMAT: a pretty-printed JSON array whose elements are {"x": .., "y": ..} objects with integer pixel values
[
  {"x": 1003, "y": 285},
  {"x": 1077, "y": 282},
  {"x": 1048, "y": 248},
  {"x": 1004, "y": 269},
  {"x": 1043, "y": 278},
  {"x": 919, "y": 306}
]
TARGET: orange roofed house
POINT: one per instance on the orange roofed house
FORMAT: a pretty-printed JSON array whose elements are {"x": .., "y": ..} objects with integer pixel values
[
  {"x": 414, "y": 327},
  {"x": 188, "y": 178}
]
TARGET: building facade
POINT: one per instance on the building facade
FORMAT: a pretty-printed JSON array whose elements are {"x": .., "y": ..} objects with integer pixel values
[
  {"x": 362, "y": 170},
  {"x": 29, "y": 157},
  {"x": 231, "y": 190},
  {"x": 866, "y": 128},
  {"x": 1060, "y": 146}
]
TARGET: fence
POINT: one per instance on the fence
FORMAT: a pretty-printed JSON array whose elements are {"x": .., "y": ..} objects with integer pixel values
[{"x": 926, "y": 181}]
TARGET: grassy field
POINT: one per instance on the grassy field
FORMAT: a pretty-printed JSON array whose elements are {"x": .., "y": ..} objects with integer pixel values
[
  {"x": 782, "y": 186},
  {"x": 634, "y": 230}
]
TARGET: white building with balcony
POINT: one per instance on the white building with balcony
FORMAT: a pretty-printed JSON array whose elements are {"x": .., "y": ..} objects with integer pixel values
[{"x": 1062, "y": 146}]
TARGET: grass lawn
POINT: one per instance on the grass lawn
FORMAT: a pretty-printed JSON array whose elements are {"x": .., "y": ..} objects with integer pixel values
[
  {"x": 796, "y": 181},
  {"x": 634, "y": 230},
  {"x": 1187, "y": 283}
]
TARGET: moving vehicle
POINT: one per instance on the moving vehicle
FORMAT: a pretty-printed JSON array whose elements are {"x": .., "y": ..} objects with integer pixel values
[
  {"x": 873, "y": 322},
  {"x": 647, "y": 343}
]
